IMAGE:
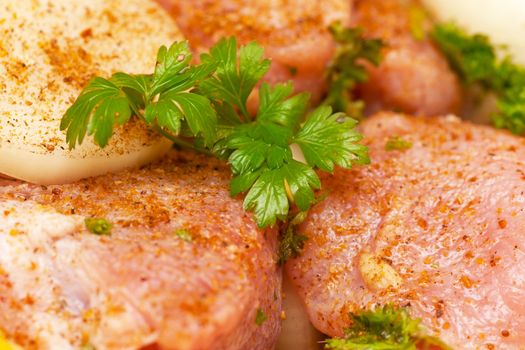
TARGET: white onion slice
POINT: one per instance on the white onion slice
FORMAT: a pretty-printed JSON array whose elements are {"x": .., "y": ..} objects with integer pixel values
[{"x": 58, "y": 45}]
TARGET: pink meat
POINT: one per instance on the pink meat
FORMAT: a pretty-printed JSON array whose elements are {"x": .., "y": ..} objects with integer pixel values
[
  {"x": 294, "y": 33},
  {"x": 144, "y": 287},
  {"x": 444, "y": 221},
  {"x": 414, "y": 77}
]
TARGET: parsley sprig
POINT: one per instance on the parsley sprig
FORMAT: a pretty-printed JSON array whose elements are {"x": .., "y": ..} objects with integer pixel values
[
  {"x": 477, "y": 61},
  {"x": 165, "y": 100},
  {"x": 385, "y": 328},
  {"x": 206, "y": 106}
]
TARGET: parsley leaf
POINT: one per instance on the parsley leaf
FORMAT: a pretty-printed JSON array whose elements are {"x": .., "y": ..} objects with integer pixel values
[
  {"x": 199, "y": 114},
  {"x": 476, "y": 61},
  {"x": 347, "y": 68},
  {"x": 328, "y": 139},
  {"x": 385, "y": 328},
  {"x": 262, "y": 161},
  {"x": 270, "y": 195},
  {"x": 267, "y": 198},
  {"x": 95, "y": 112},
  {"x": 163, "y": 99},
  {"x": 235, "y": 77},
  {"x": 276, "y": 106},
  {"x": 170, "y": 64},
  {"x": 167, "y": 114}
]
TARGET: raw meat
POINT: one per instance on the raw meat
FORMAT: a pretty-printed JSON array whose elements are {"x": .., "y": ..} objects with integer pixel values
[
  {"x": 185, "y": 266},
  {"x": 294, "y": 33},
  {"x": 438, "y": 227},
  {"x": 413, "y": 77}
]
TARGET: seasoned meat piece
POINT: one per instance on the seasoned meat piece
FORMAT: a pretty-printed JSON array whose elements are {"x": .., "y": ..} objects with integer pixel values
[
  {"x": 184, "y": 268},
  {"x": 414, "y": 77},
  {"x": 294, "y": 33},
  {"x": 438, "y": 226}
]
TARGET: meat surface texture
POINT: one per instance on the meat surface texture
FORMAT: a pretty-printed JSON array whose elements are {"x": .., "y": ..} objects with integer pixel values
[
  {"x": 184, "y": 268},
  {"x": 413, "y": 77},
  {"x": 438, "y": 227},
  {"x": 294, "y": 33}
]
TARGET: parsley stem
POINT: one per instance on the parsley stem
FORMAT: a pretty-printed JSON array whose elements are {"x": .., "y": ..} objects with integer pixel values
[
  {"x": 245, "y": 113},
  {"x": 182, "y": 143}
]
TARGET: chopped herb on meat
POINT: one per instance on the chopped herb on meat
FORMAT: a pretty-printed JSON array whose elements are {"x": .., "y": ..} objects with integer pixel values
[
  {"x": 385, "y": 328},
  {"x": 98, "y": 226},
  {"x": 260, "y": 317},
  {"x": 292, "y": 242},
  {"x": 184, "y": 235},
  {"x": 347, "y": 68},
  {"x": 398, "y": 144},
  {"x": 477, "y": 61}
]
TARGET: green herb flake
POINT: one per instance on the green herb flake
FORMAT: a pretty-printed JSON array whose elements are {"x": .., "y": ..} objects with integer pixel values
[
  {"x": 292, "y": 242},
  {"x": 398, "y": 144},
  {"x": 260, "y": 317},
  {"x": 292, "y": 70},
  {"x": 385, "y": 328},
  {"x": 184, "y": 235},
  {"x": 347, "y": 68},
  {"x": 477, "y": 62},
  {"x": 98, "y": 226}
]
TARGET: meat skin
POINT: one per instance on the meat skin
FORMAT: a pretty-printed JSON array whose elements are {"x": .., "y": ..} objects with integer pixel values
[
  {"x": 414, "y": 76},
  {"x": 438, "y": 227},
  {"x": 144, "y": 287}
]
